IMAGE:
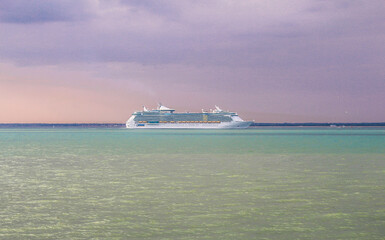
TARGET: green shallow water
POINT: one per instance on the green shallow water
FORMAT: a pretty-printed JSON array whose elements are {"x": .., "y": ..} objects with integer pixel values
[{"x": 191, "y": 184}]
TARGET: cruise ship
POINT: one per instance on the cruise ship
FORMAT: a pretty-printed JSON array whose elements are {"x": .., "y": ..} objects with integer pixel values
[{"x": 164, "y": 117}]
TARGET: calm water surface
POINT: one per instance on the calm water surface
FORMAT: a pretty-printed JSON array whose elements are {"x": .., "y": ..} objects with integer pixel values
[{"x": 191, "y": 184}]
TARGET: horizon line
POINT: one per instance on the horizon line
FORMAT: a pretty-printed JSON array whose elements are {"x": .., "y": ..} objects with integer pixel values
[{"x": 99, "y": 123}]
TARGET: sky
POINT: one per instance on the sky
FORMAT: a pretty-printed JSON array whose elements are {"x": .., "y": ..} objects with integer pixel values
[{"x": 83, "y": 61}]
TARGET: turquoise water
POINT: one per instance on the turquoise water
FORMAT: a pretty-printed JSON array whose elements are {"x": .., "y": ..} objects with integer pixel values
[{"x": 283, "y": 183}]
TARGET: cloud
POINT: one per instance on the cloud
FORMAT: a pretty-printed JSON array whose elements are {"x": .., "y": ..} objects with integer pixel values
[
  {"x": 167, "y": 8},
  {"x": 341, "y": 37},
  {"x": 247, "y": 33},
  {"x": 41, "y": 11}
]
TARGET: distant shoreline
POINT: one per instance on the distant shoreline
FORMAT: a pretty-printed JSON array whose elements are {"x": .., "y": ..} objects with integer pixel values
[{"x": 122, "y": 125}]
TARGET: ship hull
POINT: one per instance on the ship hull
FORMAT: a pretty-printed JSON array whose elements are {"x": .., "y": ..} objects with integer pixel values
[{"x": 223, "y": 125}]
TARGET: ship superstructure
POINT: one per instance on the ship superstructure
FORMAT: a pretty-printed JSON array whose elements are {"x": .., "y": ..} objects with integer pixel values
[{"x": 164, "y": 117}]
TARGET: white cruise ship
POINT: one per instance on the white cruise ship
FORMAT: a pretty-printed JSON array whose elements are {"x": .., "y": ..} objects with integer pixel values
[{"x": 164, "y": 117}]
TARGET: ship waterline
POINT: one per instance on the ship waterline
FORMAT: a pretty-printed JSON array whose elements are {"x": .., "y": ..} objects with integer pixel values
[{"x": 164, "y": 117}]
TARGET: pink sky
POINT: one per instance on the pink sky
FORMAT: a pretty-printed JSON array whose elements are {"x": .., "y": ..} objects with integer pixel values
[{"x": 270, "y": 61}]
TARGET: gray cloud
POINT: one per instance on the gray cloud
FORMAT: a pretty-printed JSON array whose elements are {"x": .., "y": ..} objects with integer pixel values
[
  {"x": 40, "y": 11},
  {"x": 215, "y": 32},
  {"x": 167, "y": 8}
]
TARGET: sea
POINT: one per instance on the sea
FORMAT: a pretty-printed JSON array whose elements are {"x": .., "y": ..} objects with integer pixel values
[{"x": 258, "y": 183}]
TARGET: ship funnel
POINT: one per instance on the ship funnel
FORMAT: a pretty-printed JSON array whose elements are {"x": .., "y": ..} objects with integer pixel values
[
  {"x": 164, "y": 108},
  {"x": 218, "y": 109}
]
